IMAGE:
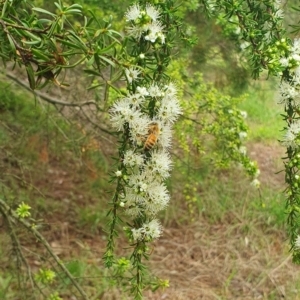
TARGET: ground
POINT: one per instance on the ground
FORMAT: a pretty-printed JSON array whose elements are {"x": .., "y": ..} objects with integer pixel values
[{"x": 234, "y": 257}]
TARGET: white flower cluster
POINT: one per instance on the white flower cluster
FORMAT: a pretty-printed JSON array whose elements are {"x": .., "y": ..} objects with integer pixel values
[
  {"x": 130, "y": 111},
  {"x": 289, "y": 94},
  {"x": 291, "y": 137},
  {"x": 147, "y": 161},
  {"x": 294, "y": 57},
  {"x": 148, "y": 231},
  {"x": 145, "y": 23}
]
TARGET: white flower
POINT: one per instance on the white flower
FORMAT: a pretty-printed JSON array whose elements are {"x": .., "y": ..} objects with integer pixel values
[
  {"x": 133, "y": 12},
  {"x": 157, "y": 198},
  {"x": 137, "y": 234},
  {"x": 257, "y": 173},
  {"x": 255, "y": 183},
  {"x": 243, "y": 114},
  {"x": 118, "y": 173},
  {"x": 296, "y": 57},
  {"x": 135, "y": 100},
  {"x": 148, "y": 231},
  {"x": 135, "y": 31},
  {"x": 165, "y": 137},
  {"x": 297, "y": 243},
  {"x": 132, "y": 74},
  {"x": 153, "y": 229},
  {"x": 139, "y": 126},
  {"x": 155, "y": 91},
  {"x": 155, "y": 31},
  {"x": 132, "y": 159},
  {"x": 152, "y": 12},
  {"x": 142, "y": 91},
  {"x": 242, "y": 135},
  {"x": 284, "y": 61},
  {"x": 145, "y": 194},
  {"x": 160, "y": 163},
  {"x": 287, "y": 93},
  {"x": 169, "y": 109},
  {"x": 290, "y": 137},
  {"x": 243, "y": 150},
  {"x": 119, "y": 113},
  {"x": 171, "y": 89}
]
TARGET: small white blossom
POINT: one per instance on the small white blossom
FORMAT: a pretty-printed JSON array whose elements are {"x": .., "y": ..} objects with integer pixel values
[
  {"x": 257, "y": 173},
  {"x": 152, "y": 12},
  {"x": 148, "y": 231},
  {"x": 154, "y": 90},
  {"x": 165, "y": 137},
  {"x": 287, "y": 92},
  {"x": 284, "y": 61},
  {"x": 118, "y": 173},
  {"x": 169, "y": 109},
  {"x": 290, "y": 137},
  {"x": 171, "y": 89},
  {"x": 139, "y": 127},
  {"x": 243, "y": 150},
  {"x": 135, "y": 100},
  {"x": 132, "y": 159},
  {"x": 242, "y": 135},
  {"x": 255, "y": 183},
  {"x": 243, "y": 114},
  {"x": 133, "y": 13},
  {"x": 132, "y": 74},
  {"x": 142, "y": 91},
  {"x": 155, "y": 31},
  {"x": 135, "y": 31},
  {"x": 160, "y": 163}
]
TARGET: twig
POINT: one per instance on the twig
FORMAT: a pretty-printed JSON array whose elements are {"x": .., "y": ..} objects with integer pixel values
[
  {"x": 48, "y": 98},
  {"x": 7, "y": 211},
  {"x": 17, "y": 247}
]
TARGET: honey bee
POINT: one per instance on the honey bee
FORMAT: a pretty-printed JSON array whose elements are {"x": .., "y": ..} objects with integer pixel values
[{"x": 153, "y": 134}]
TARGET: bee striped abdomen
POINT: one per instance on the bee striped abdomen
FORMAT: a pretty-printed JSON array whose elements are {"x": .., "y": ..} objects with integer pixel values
[{"x": 152, "y": 137}]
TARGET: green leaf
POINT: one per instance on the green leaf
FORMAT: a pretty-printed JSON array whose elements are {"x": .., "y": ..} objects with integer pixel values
[
  {"x": 110, "y": 62},
  {"x": 40, "y": 54},
  {"x": 12, "y": 44},
  {"x": 92, "y": 72},
  {"x": 41, "y": 10}
]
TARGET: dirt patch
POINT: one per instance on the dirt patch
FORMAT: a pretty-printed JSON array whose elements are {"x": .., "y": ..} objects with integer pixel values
[{"x": 269, "y": 159}]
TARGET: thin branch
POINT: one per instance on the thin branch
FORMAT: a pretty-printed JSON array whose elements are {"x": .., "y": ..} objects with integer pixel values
[
  {"x": 17, "y": 247},
  {"x": 46, "y": 97},
  {"x": 7, "y": 211}
]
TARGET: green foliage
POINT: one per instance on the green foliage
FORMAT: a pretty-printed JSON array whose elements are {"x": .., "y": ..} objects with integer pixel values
[
  {"x": 45, "y": 276},
  {"x": 257, "y": 27},
  {"x": 23, "y": 210},
  {"x": 53, "y": 42},
  {"x": 212, "y": 122}
]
